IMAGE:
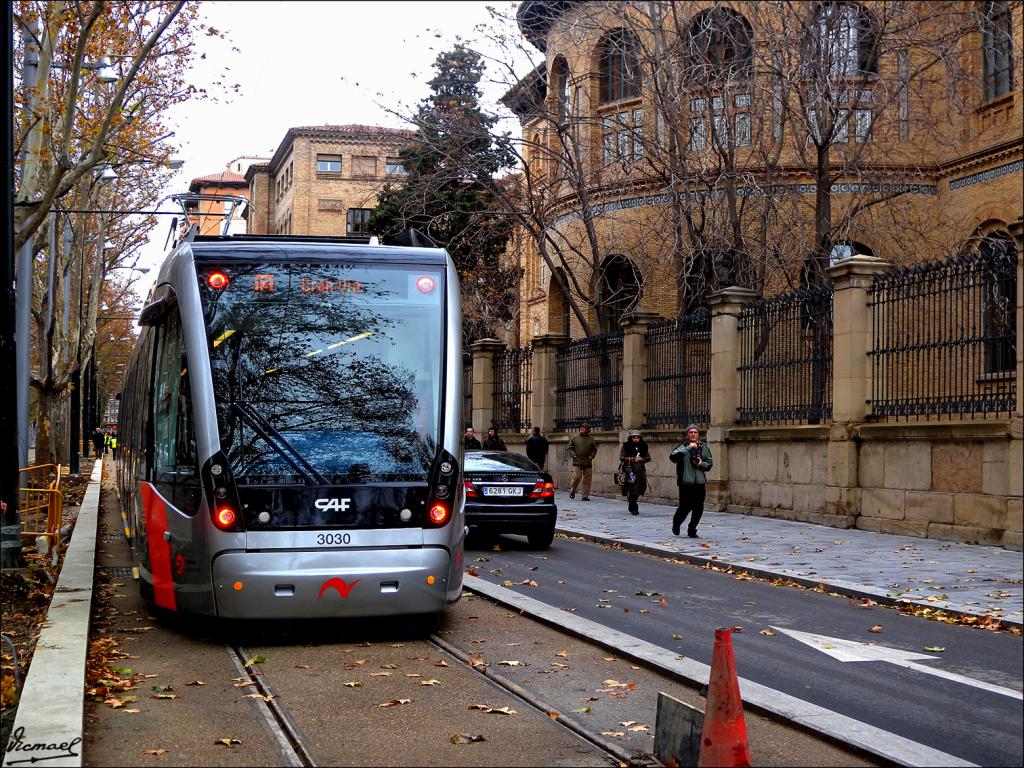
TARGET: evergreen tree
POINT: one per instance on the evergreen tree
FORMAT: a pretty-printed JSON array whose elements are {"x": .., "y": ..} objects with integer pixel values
[{"x": 446, "y": 194}]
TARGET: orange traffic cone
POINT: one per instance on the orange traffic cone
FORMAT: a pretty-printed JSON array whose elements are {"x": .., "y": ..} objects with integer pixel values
[{"x": 724, "y": 738}]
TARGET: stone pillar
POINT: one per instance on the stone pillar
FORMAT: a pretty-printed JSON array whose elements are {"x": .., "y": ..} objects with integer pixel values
[
  {"x": 634, "y": 368},
  {"x": 483, "y": 383},
  {"x": 851, "y": 380},
  {"x": 725, "y": 308},
  {"x": 545, "y": 379},
  {"x": 1015, "y": 458}
]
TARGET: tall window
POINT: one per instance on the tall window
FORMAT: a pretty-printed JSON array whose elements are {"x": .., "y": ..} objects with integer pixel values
[
  {"x": 173, "y": 438},
  {"x": 619, "y": 67},
  {"x": 358, "y": 220},
  {"x": 328, "y": 163},
  {"x": 997, "y": 49},
  {"x": 622, "y": 137},
  {"x": 842, "y": 41},
  {"x": 720, "y": 46},
  {"x": 619, "y": 292},
  {"x": 560, "y": 80},
  {"x": 710, "y": 123},
  {"x": 999, "y": 257}
]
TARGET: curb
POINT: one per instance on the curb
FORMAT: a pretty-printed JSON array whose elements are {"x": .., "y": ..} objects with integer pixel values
[
  {"x": 846, "y": 588},
  {"x": 48, "y": 726}
]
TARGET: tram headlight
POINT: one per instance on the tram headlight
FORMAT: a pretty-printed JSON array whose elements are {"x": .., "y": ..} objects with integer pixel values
[
  {"x": 225, "y": 517},
  {"x": 438, "y": 514}
]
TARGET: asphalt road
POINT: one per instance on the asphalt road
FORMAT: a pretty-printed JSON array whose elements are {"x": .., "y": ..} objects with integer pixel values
[{"x": 677, "y": 606}]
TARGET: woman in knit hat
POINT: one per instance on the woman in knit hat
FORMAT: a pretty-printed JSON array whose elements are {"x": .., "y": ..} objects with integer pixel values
[{"x": 634, "y": 457}]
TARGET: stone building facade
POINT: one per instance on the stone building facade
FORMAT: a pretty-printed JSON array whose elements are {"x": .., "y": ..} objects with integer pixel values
[
  {"x": 927, "y": 153},
  {"x": 324, "y": 180}
]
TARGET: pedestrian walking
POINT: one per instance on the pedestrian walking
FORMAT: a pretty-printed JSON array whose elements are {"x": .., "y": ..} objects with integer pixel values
[
  {"x": 113, "y": 444},
  {"x": 537, "y": 448},
  {"x": 634, "y": 456},
  {"x": 582, "y": 450},
  {"x": 692, "y": 459},
  {"x": 98, "y": 442},
  {"x": 492, "y": 442},
  {"x": 469, "y": 441}
]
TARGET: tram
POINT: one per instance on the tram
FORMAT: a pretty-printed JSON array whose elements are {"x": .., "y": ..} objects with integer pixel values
[{"x": 290, "y": 441}]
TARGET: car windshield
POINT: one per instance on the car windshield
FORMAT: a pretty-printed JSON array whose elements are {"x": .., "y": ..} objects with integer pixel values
[
  {"x": 484, "y": 461},
  {"x": 325, "y": 373}
]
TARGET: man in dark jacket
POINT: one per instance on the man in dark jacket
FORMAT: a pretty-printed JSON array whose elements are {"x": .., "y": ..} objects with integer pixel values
[
  {"x": 492, "y": 442},
  {"x": 537, "y": 448},
  {"x": 98, "y": 442},
  {"x": 469, "y": 441},
  {"x": 692, "y": 459}
]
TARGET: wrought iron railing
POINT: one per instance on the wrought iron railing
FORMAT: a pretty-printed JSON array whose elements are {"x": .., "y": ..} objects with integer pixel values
[
  {"x": 513, "y": 388},
  {"x": 679, "y": 371},
  {"x": 786, "y": 358},
  {"x": 589, "y": 383},
  {"x": 467, "y": 391},
  {"x": 944, "y": 340}
]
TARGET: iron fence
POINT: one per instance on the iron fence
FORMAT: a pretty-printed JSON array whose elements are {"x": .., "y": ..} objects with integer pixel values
[
  {"x": 786, "y": 358},
  {"x": 589, "y": 383},
  {"x": 944, "y": 340},
  {"x": 679, "y": 371},
  {"x": 467, "y": 391},
  {"x": 513, "y": 388}
]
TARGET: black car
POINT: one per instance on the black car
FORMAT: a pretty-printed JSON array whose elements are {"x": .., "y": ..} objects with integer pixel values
[{"x": 508, "y": 493}]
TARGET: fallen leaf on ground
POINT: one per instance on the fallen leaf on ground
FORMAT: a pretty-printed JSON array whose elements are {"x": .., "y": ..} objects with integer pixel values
[
  {"x": 430, "y": 682},
  {"x": 736, "y": 629},
  {"x": 227, "y": 742},
  {"x": 389, "y": 666},
  {"x": 353, "y": 684},
  {"x": 492, "y": 710},
  {"x": 258, "y": 659},
  {"x": 165, "y": 695},
  {"x": 876, "y": 628},
  {"x": 465, "y": 738},
  {"x": 303, "y": 666},
  {"x": 563, "y": 654},
  {"x": 476, "y": 661},
  {"x": 677, "y": 636},
  {"x": 245, "y": 685},
  {"x": 529, "y": 583},
  {"x": 934, "y": 649},
  {"x": 268, "y": 697},
  {"x": 511, "y": 663},
  {"x": 616, "y": 734},
  {"x": 196, "y": 682},
  {"x": 394, "y": 702},
  {"x": 767, "y": 632},
  {"x": 582, "y": 710},
  {"x": 380, "y": 674},
  {"x": 157, "y": 752}
]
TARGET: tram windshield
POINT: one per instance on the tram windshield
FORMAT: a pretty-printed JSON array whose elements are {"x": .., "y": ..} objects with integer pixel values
[{"x": 325, "y": 373}]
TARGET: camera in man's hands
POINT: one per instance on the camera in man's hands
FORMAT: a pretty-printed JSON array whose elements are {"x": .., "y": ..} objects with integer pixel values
[{"x": 695, "y": 454}]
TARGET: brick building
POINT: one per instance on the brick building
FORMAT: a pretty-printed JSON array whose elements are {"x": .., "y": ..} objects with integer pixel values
[
  {"x": 208, "y": 215},
  {"x": 677, "y": 155},
  {"x": 323, "y": 180}
]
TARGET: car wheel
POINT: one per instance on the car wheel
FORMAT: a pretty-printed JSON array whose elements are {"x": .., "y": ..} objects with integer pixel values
[{"x": 541, "y": 538}]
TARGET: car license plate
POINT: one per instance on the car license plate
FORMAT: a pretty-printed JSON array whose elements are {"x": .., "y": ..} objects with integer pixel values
[{"x": 504, "y": 491}]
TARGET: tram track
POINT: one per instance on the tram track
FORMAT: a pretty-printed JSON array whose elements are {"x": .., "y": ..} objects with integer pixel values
[{"x": 297, "y": 752}]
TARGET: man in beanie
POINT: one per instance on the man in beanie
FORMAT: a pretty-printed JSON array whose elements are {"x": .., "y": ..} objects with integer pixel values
[
  {"x": 582, "y": 450},
  {"x": 692, "y": 459}
]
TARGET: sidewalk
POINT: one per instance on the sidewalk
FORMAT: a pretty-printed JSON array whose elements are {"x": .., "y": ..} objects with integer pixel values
[{"x": 962, "y": 578}]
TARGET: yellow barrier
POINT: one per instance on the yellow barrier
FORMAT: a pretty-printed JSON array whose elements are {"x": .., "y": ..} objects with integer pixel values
[{"x": 41, "y": 503}]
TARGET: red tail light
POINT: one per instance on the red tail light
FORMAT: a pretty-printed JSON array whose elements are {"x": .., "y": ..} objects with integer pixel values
[
  {"x": 438, "y": 514},
  {"x": 471, "y": 491},
  {"x": 217, "y": 280},
  {"x": 225, "y": 518},
  {"x": 542, "y": 490}
]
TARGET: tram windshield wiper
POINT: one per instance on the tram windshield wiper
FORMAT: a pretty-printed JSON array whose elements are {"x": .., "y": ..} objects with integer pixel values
[{"x": 277, "y": 441}]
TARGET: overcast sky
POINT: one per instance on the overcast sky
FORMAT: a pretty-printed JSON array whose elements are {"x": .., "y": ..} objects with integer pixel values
[{"x": 308, "y": 63}]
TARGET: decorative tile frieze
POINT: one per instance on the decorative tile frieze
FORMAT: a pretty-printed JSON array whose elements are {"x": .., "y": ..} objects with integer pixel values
[{"x": 991, "y": 173}]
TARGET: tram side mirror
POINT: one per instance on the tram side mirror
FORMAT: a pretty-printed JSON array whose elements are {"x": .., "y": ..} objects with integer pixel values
[{"x": 154, "y": 312}]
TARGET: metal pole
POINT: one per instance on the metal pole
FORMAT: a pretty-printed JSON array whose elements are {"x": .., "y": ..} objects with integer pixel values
[{"x": 10, "y": 531}]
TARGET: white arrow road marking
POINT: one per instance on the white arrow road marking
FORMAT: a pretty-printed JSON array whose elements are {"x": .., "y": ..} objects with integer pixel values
[{"x": 850, "y": 650}]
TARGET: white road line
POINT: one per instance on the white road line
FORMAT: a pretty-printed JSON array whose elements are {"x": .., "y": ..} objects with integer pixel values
[{"x": 874, "y": 740}]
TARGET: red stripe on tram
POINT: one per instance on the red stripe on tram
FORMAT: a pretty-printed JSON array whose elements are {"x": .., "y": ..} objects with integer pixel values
[{"x": 155, "y": 509}]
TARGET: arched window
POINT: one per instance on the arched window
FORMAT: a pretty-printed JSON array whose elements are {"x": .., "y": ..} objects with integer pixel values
[
  {"x": 560, "y": 85},
  {"x": 619, "y": 66},
  {"x": 846, "y": 249},
  {"x": 843, "y": 41},
  {"x": 720, "y": 46},
  {"x": 619, "y": 292},
  {"x": 998, "y": 257},
  {"x": 997, "y": 49},
  {"x": 558, "y": 305}
]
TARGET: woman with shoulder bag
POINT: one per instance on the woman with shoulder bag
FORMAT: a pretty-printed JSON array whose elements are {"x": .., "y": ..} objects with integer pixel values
[{"x": 634, "y": 456}]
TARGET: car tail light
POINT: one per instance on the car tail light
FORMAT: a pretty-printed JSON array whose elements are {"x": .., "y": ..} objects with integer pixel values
[
  {"x": 471, "y": 491},
  {"x": 438, "y": 514},
  {"x": 217, "y": 280},
  {"x": 225, "y": 517},
  {"x": 542, "y": 490}
]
